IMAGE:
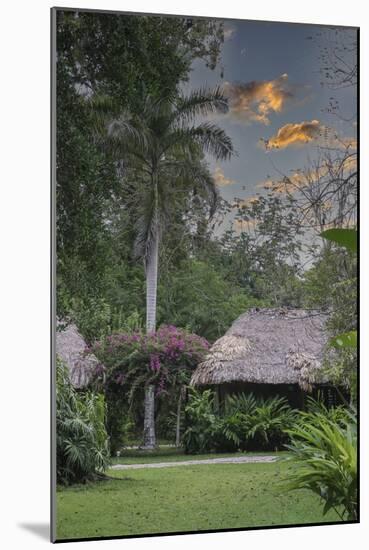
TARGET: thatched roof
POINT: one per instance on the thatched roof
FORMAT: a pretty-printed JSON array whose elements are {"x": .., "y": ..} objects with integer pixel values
[
  {"x": 70, "y": 347},
  {"x": 267, "y": 346}
]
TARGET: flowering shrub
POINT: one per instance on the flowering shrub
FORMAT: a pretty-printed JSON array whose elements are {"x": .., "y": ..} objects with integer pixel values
[{"x": 162, "y": 358}]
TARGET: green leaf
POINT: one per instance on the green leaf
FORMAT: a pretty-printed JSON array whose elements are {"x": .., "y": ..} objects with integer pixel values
[
  {"x": 345, "y": 340},
  {"x": 343, "y": 237}
]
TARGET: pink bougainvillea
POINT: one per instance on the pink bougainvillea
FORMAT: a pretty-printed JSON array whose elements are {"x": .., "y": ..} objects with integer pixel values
[{"x": 157, "y": 357}]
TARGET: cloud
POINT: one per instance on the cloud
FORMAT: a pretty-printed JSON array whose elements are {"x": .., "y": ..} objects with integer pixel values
[
  {"x": 220, "y": 179},
  {"x": 229, "y": 32},
  {"x": 255, "y": 101},
  {"x": 288, "y": 184},
  {"x": 295, "y": 134},
  {"x": 297, "y": 180},
  {"x": 349, "y": 164},
  {"x": 327, "y": 170},
  {"x": 244, "y": 226},
  {"x": 298, "y": 134},
  {"x": 247, "y": 202},
  {"x": 349, "y": 143}
]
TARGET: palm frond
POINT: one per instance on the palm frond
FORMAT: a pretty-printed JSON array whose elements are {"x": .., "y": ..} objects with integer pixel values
[
  {"x": 202, "y": 181},
  {"x": 127, "y": 132},
  {"x": 213, "y": 140},
  {"x": 201, "y": 102},
  {"x": 190, "y": 175},
  {"x": 205, "y": 182},
  {"x": 156, "y": 107},
  {"x": 102, "y": 109}
]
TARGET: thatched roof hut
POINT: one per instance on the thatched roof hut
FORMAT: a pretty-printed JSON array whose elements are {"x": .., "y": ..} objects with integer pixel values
[
  {"x": 70, "y": 348},
  {"x": 267, "y": 346}
]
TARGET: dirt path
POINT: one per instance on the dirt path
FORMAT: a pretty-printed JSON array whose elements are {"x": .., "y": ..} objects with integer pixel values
[{"x": 229, "y": 460}]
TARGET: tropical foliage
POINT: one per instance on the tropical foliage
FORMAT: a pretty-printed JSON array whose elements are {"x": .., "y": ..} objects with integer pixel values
[
  {"x": 325, "y": 453},
  {"x": 342, "y": 365},
  {"x": 199, "y": 436},
  {"x": 246, "y": 423},
  {"x": 143, "y": 233},
  {"x": 82, "y": 446}
]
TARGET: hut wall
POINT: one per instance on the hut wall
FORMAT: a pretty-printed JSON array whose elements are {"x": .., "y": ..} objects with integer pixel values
[
  {"x": 291, "y": 392},
  {"x": 331, "y": 396},
  {"x": 295, "y": 396}
]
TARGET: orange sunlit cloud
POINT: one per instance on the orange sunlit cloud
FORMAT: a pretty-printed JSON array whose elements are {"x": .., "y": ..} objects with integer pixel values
[
  {"x": 220, "y": 179},
  {"x": 288, "y": 184},
  {"x": 247, "y": 202},
  {"x": 255, "y": 101},
  {"x": 348, "y": 143},
  {"x": 300, "y": 179},
  {"x": 295, "y": 134},
  {"x": 350, "y": 164},
  {"x": 301, "y": 133},
  {"x": 244, "y": 226}
]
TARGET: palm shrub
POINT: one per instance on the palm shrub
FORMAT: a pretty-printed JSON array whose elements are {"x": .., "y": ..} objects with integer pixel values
[
  {"x": 82, "y": 445},
  {"x": 247, "y": 423},
  {"x": 238, "y": 410},
  {"x": 201, "y": 420},
  {"x": 230, "y": 433},
  {"x": 267, "y": 424},
  {"x": 207, "y": 430},
  {"x": 338, "y": 415},
  {"x": 325, "y": 453},
  {"x": 244, "y": 403}
]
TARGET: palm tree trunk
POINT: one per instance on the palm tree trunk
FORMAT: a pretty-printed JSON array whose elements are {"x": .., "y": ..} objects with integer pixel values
[
  {"x": 149, "y": 418},
  {"x": 151, "y": 285},
  {"x": 151, "y": 292},
  {"x": 179, "y": 410}
]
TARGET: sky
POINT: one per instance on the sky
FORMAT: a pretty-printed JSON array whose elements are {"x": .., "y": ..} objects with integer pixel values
[{"x": 273, "y": 80}]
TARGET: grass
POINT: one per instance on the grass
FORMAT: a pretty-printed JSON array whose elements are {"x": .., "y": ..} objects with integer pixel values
[{"x": 194, "y": 498}]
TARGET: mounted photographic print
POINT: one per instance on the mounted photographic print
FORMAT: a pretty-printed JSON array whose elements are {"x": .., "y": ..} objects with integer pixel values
[{"x": 204, "y": 224}]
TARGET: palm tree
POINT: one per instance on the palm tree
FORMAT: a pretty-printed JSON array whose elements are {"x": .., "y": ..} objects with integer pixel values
[{"x": 165, "y": 144}]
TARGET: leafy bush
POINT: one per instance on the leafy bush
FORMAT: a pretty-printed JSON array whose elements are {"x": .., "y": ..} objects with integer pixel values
[
  {"x": 339, "y": 415},
  {"x": 240, "y": 403},
  {"x": 326, "y": 455},
  {"x": 247, "y": 423},
  {"x": 230, "y": 433},
  {"x": 82, "y": 442},
  {"x": 238, "y": 409},
  {"x": 120, "y": 421},
  {"x": 268, "y": 422},
  {"x": 198, "y": 437},
  {"x": 92, "y": 316},
  {"x": 202, "y": 298}
]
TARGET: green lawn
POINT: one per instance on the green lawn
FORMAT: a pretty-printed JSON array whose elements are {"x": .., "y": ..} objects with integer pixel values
[{"x": 190, "y": 498}]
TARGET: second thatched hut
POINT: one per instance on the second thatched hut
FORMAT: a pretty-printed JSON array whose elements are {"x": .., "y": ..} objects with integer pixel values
[
  {"x": 269, "y": 352},
  {"x": 70, "y": 349}
]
